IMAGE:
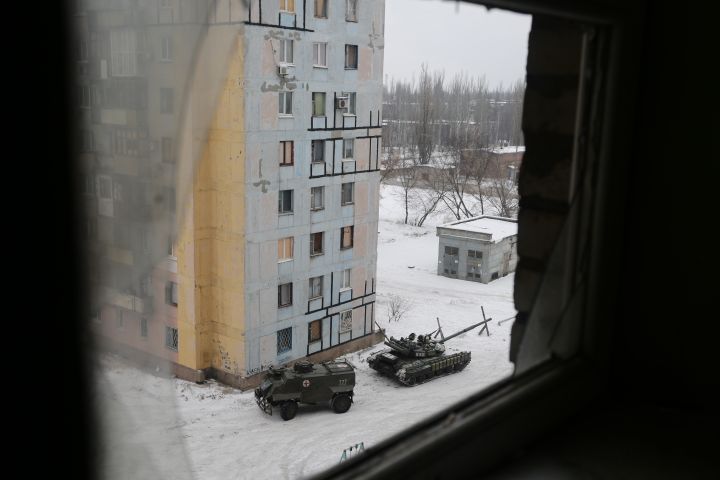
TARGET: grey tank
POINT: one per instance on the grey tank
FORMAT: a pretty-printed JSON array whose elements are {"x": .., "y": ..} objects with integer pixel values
[{"x": 414, "y": 360}]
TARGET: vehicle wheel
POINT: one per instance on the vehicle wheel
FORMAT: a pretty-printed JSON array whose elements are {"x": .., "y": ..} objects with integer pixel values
[
  {"x": 288, "y": 409},
  {"x": 341, "y": 403}
]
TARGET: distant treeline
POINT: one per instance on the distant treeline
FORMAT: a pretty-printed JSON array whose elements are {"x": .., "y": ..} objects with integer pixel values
[{"x": 432, "y": 113}]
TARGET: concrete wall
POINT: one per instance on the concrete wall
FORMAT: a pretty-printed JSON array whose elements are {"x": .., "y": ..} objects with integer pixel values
[
  {"x": 266, "y": 177},
  {"x": 494, "y": 255}
]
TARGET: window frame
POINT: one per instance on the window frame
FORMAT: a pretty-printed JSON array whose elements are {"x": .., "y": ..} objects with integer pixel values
[
  {"x": 313, "y": 149},
  {"x": 313, "y": 206},
  {"x": 351, "y": 48},
  {"x": 311, "y": 338},
  {"x": 281, "y": 202},
  {"x": 343, "y": 317},
  {"x": 289, "y": 287},
  {"x": 343, "y": 202},
  {"x": 342, "y": 237},
  {"x": 284, "y": 333},
  {"x": 313, "y": 236},
  {"x": 285, "y": 99},
  {"x": 283, "y": 50},
  {"x": 325, "y": 4},
  {"x": 314, "y": 106},
  {"x": 354, "y": 17},
  {"x": 283, "y": 153},
  {"x": 316, "y": 55},
  {"x": 311, "y": 287},
  {"x": 283, "y": 244},
  {"x": 172, "y": 338},
  {"x": 166, "y": 50},
  {"x": 346, "y": 280},
  {"x": 346, "y": 142},
  {"x": 284, "y": 6},
  {"x": 352, "y": 104}
]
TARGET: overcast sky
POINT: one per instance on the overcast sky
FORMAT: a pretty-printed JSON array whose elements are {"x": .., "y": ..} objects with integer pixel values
[{"x": 454, "y": 37}]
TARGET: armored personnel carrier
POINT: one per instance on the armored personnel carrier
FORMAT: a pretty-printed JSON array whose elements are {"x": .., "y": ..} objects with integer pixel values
[
  {"x": 328, "y": 383},
  {"x": 417, "y": 359}
]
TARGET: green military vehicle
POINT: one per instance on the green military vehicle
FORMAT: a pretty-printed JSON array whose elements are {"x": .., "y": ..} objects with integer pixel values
[{"x": 328, "y": 383}]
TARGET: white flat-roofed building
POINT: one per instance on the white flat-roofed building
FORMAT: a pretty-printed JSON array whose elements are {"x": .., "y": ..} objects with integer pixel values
[{"x": 479, "y": 249}]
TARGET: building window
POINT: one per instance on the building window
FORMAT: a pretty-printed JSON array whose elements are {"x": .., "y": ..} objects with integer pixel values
[
  {"x": 345, "y": 279},
  {"x": 345, "y": 321},
  {"x": 351, "y": 10},
  {"x": 451, "y": 250},
  {"x": 321, "y": 9},
  {"x": 143, "y": 327},
  {"x": 167, "y": 100},
  {"x": 84, "y": 96},
  {"x": 287, "y": 155},
  {"x": 285, "y": 103},
  {"x": 166, "y": 49},
  {"x": 166, "y": 149},
  {"x": 351, "y": 57},
  {"x": 105, "y": 184},
  {"x": 316, "y": 243},
  {"x": 171, "y": 338},
  {"x": 318, "y": 151},
  {"x": 285, "y": 294},
  {"x": 286, "y": 51},
  {"x": 348, "y": 148},
  {"x": 171, "y": 293},
  {"x": 287, "y": 6},
  {"x": 285, "y": 249},
  {"x": 318, "y": 104},
  {"x": 494, "y": 276},
  {"x": 316, "y": 287},
  {"x": 473, "y": 254},
  {"x": 314, "y": 331},
  {"x": 123, "y": 53},
  {"x": 319, "y": 54},
  {"x": 317, "y": 198},
  {"x": 285, "y": 201},
  {"x": 346, "y": 237},
  {"x": 348, "y": 195},
  {"x": 284, "y": 340},
  {"x": 352, "y": 105}
]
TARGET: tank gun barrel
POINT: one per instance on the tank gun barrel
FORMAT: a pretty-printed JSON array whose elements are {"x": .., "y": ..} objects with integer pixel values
[{"x": 461, "y": 331}]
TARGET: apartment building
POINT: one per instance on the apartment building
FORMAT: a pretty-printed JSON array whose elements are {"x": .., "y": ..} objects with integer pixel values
[{"x": 244, "y": 224}]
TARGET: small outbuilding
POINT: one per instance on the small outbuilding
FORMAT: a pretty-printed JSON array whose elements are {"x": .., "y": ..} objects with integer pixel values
[{"x": 480, "y": 249}]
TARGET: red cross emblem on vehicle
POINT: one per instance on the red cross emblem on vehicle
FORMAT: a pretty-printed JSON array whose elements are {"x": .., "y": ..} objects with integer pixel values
[{"x": 306, "y": 383}]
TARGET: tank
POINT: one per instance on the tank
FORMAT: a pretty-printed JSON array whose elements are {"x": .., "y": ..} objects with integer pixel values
[
  {"x": 329, "y": 383},
  {"x": 418, "y": 359}
]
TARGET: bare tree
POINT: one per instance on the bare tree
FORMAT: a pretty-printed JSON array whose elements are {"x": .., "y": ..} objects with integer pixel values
[
  {"x": 428, "y": 87},
  {"x": 425, "y": 200},
  {"x": 397, "y": 307},
  {"x": 504, "y": 197}
]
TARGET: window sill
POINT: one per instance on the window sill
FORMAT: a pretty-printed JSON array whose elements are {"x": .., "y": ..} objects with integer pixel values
[
  {"x": 285, "y": 115},
  {"x": 317, "y": 255},
  {"x": 346, "y": 289},
  {"x": 346, "y": 248},
  {"x": 287, "y": 164},
  {"x": 317, "y": 209},
  {"x": 350, "y": 68},
  {"x": 346, "y": 204},
  {"x": 349, "y": 115},
  {"x": 284, "y": 214},
  {"x": 324, "y": 67},
  {"x": 318, "y": 163},
  {"x": 351, "y": 21},
  {"x": 348, "y": 159},
  {"x": 285, "y": 260},
  {"x": 285, "y": 306},
  {"x": 286, "y": 64}
]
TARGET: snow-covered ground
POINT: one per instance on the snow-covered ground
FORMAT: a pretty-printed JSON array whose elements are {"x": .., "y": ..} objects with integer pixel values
[{"x": 217, "y": 432}]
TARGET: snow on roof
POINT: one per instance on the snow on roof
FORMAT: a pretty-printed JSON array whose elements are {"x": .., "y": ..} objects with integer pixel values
[
  {"x": 508, "y": 149},
  {"x": 497, "y": 227}
]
